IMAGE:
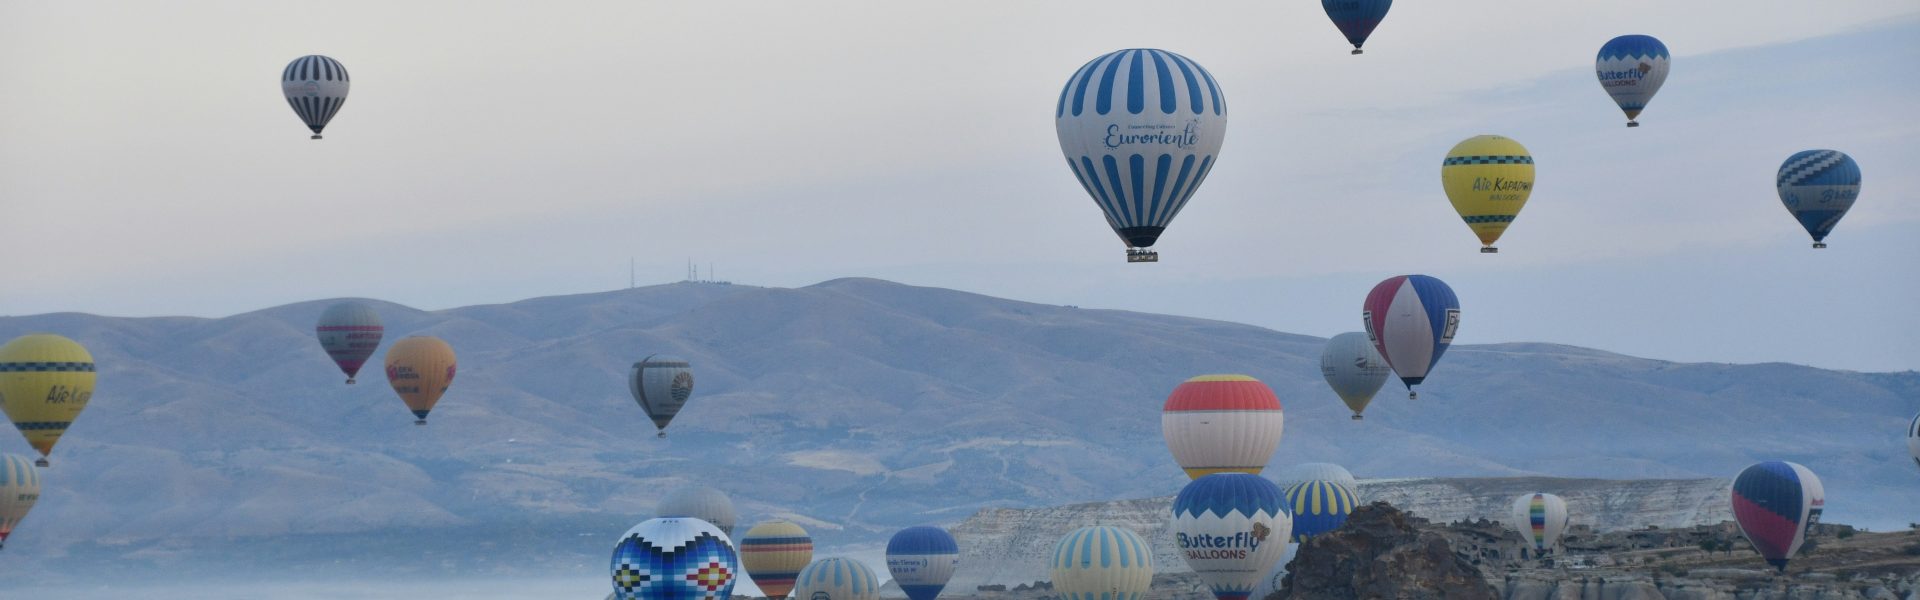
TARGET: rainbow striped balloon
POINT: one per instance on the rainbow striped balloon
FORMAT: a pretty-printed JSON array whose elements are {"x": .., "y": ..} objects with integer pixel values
[
  {"x": 1541, "y": 519},
  {"x": 773, "y": 553}
]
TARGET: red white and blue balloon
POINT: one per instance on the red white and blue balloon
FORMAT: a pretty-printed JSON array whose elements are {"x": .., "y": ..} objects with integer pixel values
[
  {"x": 1818, "y": 187},
  {"x": 1231, "y": 528},
  {"x": 1411, "y": 320},
  {"x": 1631, "y": 68},
  {"x": 1141, "y": 129},
  {"x": 1775, "y": 502},
  {"x": 672, "y": 558}
]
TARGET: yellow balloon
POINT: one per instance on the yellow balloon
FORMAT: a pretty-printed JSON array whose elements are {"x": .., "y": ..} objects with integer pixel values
[
  {"x": 45, "y": 381},
  {"x": 1488, "y": 178},
  {"x": 420, "y": 368}
]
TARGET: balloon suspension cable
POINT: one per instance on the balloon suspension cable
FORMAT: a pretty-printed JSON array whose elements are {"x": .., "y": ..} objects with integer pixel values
[
  {"x": 42, "y": 462},
  {"x": 1632, "y": 123},
  {"x": 1142, "y": 255},
  {"x": 1819, "y": 244},
  {"x": 419, "y": 421},
  {"x": 1489, "y": 250}
]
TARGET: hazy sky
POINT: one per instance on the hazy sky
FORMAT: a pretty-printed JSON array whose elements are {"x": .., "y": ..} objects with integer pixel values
[{"x": 497, "y": 151}]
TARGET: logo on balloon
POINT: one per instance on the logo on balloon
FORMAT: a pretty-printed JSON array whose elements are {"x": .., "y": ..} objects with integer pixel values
[
  {"x": 1237, "y": 546},
  {"x": 1159, "y": 135}
]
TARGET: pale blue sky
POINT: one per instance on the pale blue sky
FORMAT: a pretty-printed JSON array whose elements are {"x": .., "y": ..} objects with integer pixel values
[{"x": 497, "y": 151}]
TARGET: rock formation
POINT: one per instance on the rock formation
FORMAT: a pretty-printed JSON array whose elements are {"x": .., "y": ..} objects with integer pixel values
[{"x": 1382, "y": 553}]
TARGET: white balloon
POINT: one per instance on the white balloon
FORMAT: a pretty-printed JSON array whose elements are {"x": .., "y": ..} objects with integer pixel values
[{"x": 1540, "y": 518}]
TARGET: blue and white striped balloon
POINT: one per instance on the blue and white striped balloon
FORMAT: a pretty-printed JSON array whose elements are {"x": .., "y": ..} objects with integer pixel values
[
  {"x": 1141, "y": 129},
  {"x": 1631, "y": 68},
  {"x": 836, "y": 579},
  {"x": 1818, "y": 187},
  {"x": 316, "y": 87}
]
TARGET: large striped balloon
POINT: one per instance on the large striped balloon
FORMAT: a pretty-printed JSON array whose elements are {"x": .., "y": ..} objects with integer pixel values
[
  {"x": 420, "y": 368},
  {"x": 1631, "y": 68},
  {"x": 700, "y": 502},
  {"x": 1488, "y": 179},
  {"x": 1540, "y": 519},
  {"x": 662, "y": 385},
  {"x": 1356, "y": 18},
  {"x": 1354, "y": 370},
  {"x": 1141, "y": 129},
  {"x": 921, "y": 560},
  {"x": 1318, "y": 507},
  {"x": 45, "y": 381},
  {"x": 1231, "y": 528},
  {"x": 674, "y": 559},
  {"x": 1775, "y": 503},
  {"x": 1222, "y": 423},
  {"x": 316, "y": 88},
  {"x": 1818, "y": 187},
  {"x": 773, "y": 553},
  {"x": 1913, "y": 440},
  {"x": 19, "y": 489},
  {"x": 837, "y": 579},
  {"x": 1102, "y": 562},
  {"x": 1411, "y": 320},
  {"x": 349, "y": 332}
]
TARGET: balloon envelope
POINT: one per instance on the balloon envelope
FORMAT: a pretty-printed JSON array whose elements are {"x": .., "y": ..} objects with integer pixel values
[
  {"x": 1913, "y": 440},
  {"x": 773, "y": 553},
  {"x": 1317, "y": 471},
  {"x": 316, "y": 88},
  {"x": 674, "y": 559},
  {"x": 1356, "y": 18},
  {"x": 1488, "y": 179},
  {"x": 1102, "y": 562},
  {"x": 837, "y": 579},
  {"x": 1818, "y": 187},
  {"x": 420, "y": 368},
  {"x": 1318, "y": 507},
  {"x": 1775, "y": 503},
  {"x": 1540, "y": 518},
  {"x": 1353, "y": 369},
  {"x": 662, "y": 385},
  {"x": 1222, "y": 423},
  {"x": 1140, "y": 129},
  {"x": 1231, "y": 528},
  {"x": 349, "y": 332},
  {"x": 700, "y": 502},
  {"x": 921, "y": 560},
  {"x": 1271, "y": 582},
  {"x": 1631, "y": 68},
  {"x": 19, "y": 489},
  {"x": 1411, "y": 320},
  {"x": 45, "y": 381}
]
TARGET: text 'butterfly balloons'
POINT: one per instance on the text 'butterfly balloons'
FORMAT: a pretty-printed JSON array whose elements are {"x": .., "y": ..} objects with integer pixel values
[
  {"x": 1231, "y": 528},
  {"x": 1631, "y": 68},
  {"x": 1818, "y": 187}
]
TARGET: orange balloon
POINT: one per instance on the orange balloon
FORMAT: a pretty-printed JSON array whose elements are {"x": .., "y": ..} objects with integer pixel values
[{"x": 420, "y": 368}]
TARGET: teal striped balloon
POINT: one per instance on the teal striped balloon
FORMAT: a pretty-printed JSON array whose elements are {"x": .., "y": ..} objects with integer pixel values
[
  {"x": 1101, "y": 562},
  {"x": 836, "y": 578}
]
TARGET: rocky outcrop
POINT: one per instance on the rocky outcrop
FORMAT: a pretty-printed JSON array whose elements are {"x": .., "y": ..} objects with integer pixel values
[{"x": 1381, "y": 553}]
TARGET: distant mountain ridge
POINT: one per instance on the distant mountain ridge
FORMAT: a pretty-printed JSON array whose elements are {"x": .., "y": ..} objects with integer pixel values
[{"x": 854, "y": 406}]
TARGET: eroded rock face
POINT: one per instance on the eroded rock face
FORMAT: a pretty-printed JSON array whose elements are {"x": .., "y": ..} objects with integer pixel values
[{"x": 1380, "y": 553}]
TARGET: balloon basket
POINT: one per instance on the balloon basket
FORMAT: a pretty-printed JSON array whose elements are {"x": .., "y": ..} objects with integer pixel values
[
  {"x": 1136, "y": 255},
  {"x": 1489, "y": 250},
  {"x": 1819, "y": 244},
  {"x": 661, "y": 435},
  {"x": 1633, "y": 123},
  {"x": 1359, "y": 418},
  {"x": 315, "y": 137},
  {"x": 1357, "y": 52},
  {"x": 42, "y": 462},
  {"x": 419, "y": 422},
  {"x": 349, "y": 381},
  {"x": 1413, "y": 395}
]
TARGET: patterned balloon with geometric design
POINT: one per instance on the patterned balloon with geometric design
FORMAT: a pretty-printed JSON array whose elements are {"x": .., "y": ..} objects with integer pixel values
[{"x": 674, "y": 559}]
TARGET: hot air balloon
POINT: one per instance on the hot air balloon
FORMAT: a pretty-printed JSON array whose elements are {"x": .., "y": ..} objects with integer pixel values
[
  {"x": 1540, "y": 519},
  {"x": 19, "y": 489},
  {"x": 1305, "y": 472},
  {"x": 316, "y": 88},
  {"x": 1354, "y": 370},
  {"x": 1818, "y": 186},
  {"x": 349, "y": 332},
  {"x": 1271, "y": 582},
  {"x": 1102, "y": 562},
  {"x": 1631, "y": 68},
  {"x": 1913, "y": 440},
  {"x": 45, "y": 381},
  {"x": 773, "y": 553},
  {"x": 1775, "y": 503},
  {"x": 921, "y": 560},
  {"x": 1318, "y": 507},
  {"x": 1411, "y": 320},
  {"x": 1488, "y": 178},
  {"x": 1141, "y": 129},
  {"x": 700, "y": 502},
  {"x": 837, "y": 579},
  {"x": 674, "y": 559},
  {"x": 1356, "y": 18},
  {"x": 1231, "y": 528},
  {"x": 661, "y": 384},
  {"x": 420, "y": 368},
  {"x": 1219, "y": 423}
]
